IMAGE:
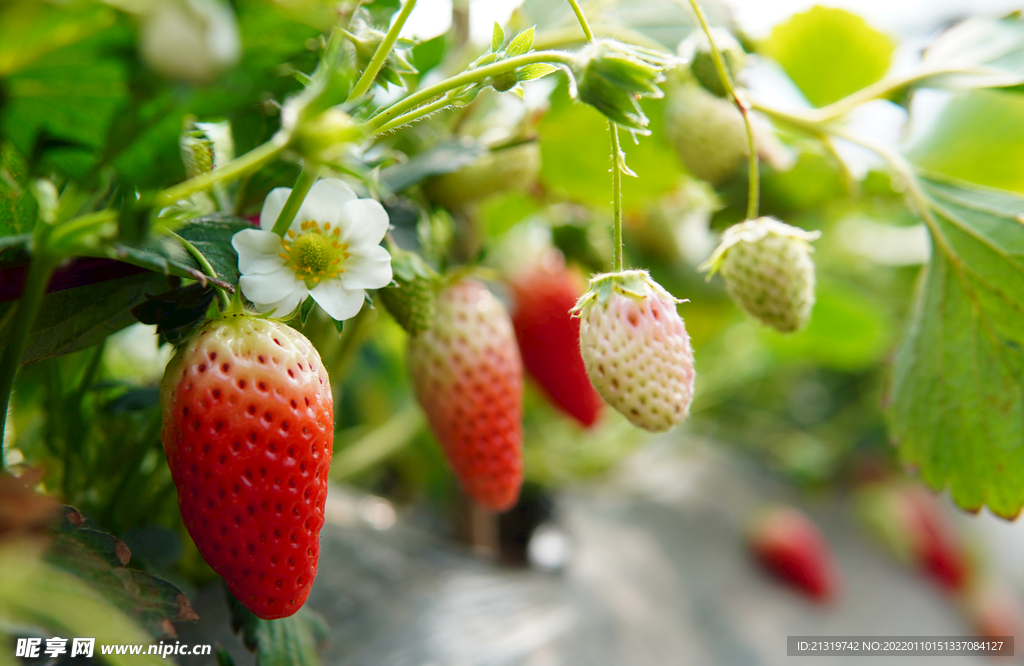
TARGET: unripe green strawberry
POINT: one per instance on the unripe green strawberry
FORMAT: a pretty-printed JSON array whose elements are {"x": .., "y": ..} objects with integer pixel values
[
  {"x": 710, "y": 137},
  {"x": 707, "y": 133},
  {"x": 636, "y": 349},
  {"x": 468, "y": 377},
  {"x": 502, "y": 170},
  {"x": 768, "y": 271},
  {"x": 411, "y": 300},
  {"x": 697, "y": 50},
  {"x": 248, "y": 427}
]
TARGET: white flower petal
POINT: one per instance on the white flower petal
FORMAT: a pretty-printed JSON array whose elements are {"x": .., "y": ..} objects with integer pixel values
[
  {"x": 286, "y": 306},
  {"x": 370, "y": 269},
  {"x": 262, "y": 288},
  {"x": 365, "y": 223},
  {"x": 272, "y": 207},
  {"x": 324, "y": 203},
  {"x": 337, "y": 301},
  {"x": 257, "y": 251}
]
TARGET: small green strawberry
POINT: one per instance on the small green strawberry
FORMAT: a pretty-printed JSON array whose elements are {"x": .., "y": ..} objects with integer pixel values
[
  {"x": 768, "y": 271},
  {"x": 501, "y": 170},
  {"x": 697, "y": 50},
  {"x": 636, "y": 349},
  {"x": 412, "y": 298},
  {"x": 710, "y": 137}
]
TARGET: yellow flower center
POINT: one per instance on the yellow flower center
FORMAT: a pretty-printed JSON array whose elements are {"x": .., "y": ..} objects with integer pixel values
[{"x": 315, "y": 253}]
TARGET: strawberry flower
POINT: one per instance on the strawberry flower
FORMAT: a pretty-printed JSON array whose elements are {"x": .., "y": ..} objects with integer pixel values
[{"x": 331, "y": 252}]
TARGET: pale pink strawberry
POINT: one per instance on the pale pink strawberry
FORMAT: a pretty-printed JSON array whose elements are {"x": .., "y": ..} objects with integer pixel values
[{"x": 636, "y": 349}]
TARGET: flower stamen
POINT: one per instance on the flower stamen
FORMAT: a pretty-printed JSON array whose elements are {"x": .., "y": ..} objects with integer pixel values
[{"x": 313, "y": 254}]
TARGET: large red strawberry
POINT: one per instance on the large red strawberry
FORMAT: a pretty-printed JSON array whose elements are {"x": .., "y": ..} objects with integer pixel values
[
  {"x": 248, "y": 427},
  {"x": 788, "y": 544},
  {"x": 468, "y": 376},
  {"x": 548, "y": 336}
]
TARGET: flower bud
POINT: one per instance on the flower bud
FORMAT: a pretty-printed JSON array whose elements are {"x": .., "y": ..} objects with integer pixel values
[
  {"x": 324, "y": 138},
  {"x": 612, "y": 77},
  {"x": 189, "y": 40}
]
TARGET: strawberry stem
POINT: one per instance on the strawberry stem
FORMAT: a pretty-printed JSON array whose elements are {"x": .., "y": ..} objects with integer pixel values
[
  {"x": 382, "y": 52},
  {"x": 237, "y": 167},
  {"x": 222, "y": 295},
  {"x": 471, "y": 76},
  {"x": 42, "y": 267},
  {"x": 754, "y": 175},
  {"x": 291, "y": 207},
  {"x": 582, "y": 19},
  {"x": 617, "y": 159}
]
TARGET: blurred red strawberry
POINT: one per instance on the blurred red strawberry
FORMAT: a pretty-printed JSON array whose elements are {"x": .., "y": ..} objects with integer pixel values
[
  {"x": 543, "y": 293},
  {"x": 937, "y": 545},
  {"x": 789, "y": 545}
]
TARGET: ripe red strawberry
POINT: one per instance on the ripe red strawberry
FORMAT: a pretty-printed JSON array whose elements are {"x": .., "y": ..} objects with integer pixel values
[
  {"x": 248, "y": 427},
  {"x": 548, "y": 335},
  {"x": 788, "y": 544},
  {"x": 936, "y": 544},
  {"x": 911, "y": 522},
  {"x": 636, "y": 349},
  {"x": 468, "y": 377}
]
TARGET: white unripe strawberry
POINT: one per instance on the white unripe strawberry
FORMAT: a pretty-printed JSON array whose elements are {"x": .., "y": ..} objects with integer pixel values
[
  {"x": 768, "y": 271},
  {"x": 636, "y": 349}
]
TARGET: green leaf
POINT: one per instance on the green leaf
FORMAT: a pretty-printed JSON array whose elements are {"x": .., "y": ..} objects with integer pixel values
[
  {"x": 35, "y": 593},
  {"x": 67, "y": 100},
  {"x": 497, "y": 38},
  {"x": 994, "y": 49},
  {"x": 442, "y": 157},
  {"x": 79, "y": 317},
  {"x": 211, "y": 235},
  {"x": 522, "y": 43},
  {"x": 18, "y": 208},
  {"x": 978, "y": 137},
  {"x": 957, "y": 394},
  {"x": 100, "y": 560},
  {"x": 291, "y": 641},
  {"x": 30, "y": 29},
  {"x": 575, "y": 164},
  {"x": 829, "y": 53},
  {"x": 535, "y": 71}
]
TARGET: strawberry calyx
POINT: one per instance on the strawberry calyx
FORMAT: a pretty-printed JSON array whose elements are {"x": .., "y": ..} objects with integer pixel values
[
  {"x": 635, "y": 283},
  {"x": 753, "y": 231}
]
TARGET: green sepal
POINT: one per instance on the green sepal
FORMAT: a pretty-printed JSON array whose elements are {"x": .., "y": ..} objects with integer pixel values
[
  {"x": 633, "y": 283},
  {"x": 752, "y": 231}
]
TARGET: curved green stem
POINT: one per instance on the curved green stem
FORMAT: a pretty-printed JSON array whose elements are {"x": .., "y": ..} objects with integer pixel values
[
  {"x": 39, "y": 272},
  {"x": 572, "y": 35},
  {"x": 896, "y": 161},
  {"x": 881, "y": 89},
  {"x": 373, "y": 125},
  {"x": 223, "y": 300},
  {"x": 587, "y": 32},
  {"x": 617, "y": 159},
  {"x": 382, "y": 52},
  {"x": 415, "y": 114},
  {"x": 303, "y": 185},
  {"x": 239, "y": 166},
  {"x": 754, "y": 175}
]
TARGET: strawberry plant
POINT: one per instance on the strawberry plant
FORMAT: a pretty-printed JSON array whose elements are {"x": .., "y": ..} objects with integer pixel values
[{"x": 251, "y": 250}]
